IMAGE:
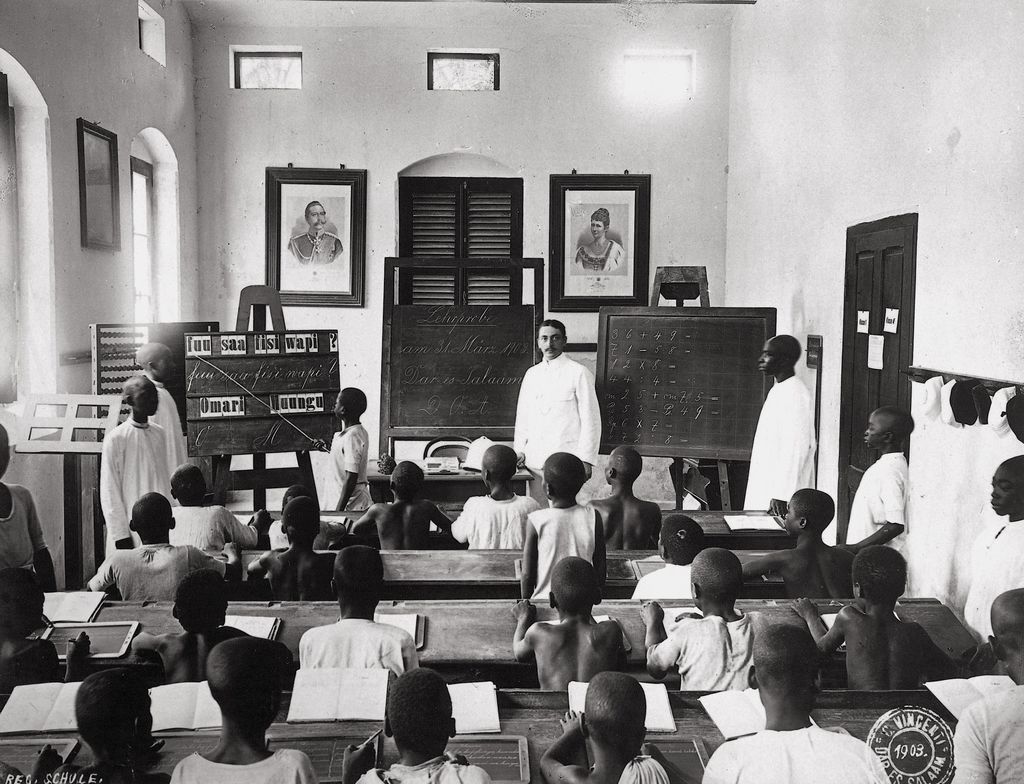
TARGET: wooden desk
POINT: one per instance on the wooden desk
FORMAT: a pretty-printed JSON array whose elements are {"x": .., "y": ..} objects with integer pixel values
[
  {"x": 535, "y": 714},
  {"x": 718, "y": 534},
  {"x": 449, "y": 491},
  {"x": 473, "y": 639}
]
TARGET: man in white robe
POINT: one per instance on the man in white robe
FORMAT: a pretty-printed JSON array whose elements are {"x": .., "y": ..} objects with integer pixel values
[
  {"x": 134, "y": 463},
  {"x": 782, "y": 458},
  {"x": 157, "y": 363},
  {"x": 557, "y": 410}
]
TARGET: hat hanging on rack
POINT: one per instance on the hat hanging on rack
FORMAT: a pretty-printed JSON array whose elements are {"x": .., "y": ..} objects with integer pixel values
[
  {"x": 997, "y": 413},
  {"x": 1015, "y": 416},
  {"x": 946, "y": 410},
  {"x": 927, "y": 398},
  {"x": 961, "y": 400},
  {"x": 982, "y": 402}
]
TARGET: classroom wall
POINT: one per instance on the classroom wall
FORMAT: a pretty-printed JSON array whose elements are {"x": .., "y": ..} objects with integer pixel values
[
  {"x": 846, "y": 112},
  {"x": 364, "y": 103}
]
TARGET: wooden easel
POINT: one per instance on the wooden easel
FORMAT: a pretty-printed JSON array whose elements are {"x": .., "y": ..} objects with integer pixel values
[
  {"x": 682, "y": 284},
  {"x": 253, "y": 302},
  {"x": 83, "y": 534}
]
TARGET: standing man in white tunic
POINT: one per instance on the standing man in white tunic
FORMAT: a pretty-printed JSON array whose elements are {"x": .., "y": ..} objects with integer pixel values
[
  {"x": 134, "y": 463},
  {"x": 782, "y": 458},
  {"x": 557, "y": 410},
  {"x": 157, "y": 363}
]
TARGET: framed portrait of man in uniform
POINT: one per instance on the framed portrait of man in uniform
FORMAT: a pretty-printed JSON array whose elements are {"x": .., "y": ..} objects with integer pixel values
[
  {"x": 600, "y": 240},
  {"x": 316, "y": 235}
]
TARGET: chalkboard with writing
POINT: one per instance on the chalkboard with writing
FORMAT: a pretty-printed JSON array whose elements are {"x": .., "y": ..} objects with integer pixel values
[
  {"x": 456, "y": 369},
  {"x": 682, "y": 382},
  {"x": 259, "y": 392}
]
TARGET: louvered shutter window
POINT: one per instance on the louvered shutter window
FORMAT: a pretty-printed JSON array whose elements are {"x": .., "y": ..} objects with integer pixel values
[
  {"x": 488, "y": 287},
  {"x": 432, "y": 287},
  {"x": 489, "y": 225},
  {"x": 434, "y": 230}
]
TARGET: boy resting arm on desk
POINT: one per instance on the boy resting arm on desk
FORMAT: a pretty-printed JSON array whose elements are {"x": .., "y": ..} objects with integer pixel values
[
  {"x": 812, "y": 568},
  {"x": 206, "y": 527},
  {"x": 563, "y": 529},
  {"x": 405, "y": 524},
  {"x": 882, "y": 652},
  {"x": 496, "y": 520},
  {"x": 576, "y": 648},
  {"x": 681, "y": 540},
  {"x": 299, "y": 573},
  {"x": 629, "y": 523}
]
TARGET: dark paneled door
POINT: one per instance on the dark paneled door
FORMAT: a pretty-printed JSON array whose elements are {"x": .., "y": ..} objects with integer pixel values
[{"x": 880, "y": 273}]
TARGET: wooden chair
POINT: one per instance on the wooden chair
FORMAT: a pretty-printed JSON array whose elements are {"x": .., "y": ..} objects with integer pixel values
[{"x": 447, "y": 446}]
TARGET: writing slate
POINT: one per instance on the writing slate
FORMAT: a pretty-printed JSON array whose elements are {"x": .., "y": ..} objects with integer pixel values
[
  {"x": 504, "y": 757},
  {"x": 682, "y": 382}
]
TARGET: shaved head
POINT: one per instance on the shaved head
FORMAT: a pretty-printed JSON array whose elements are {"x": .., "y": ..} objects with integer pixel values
[
  {"x": 627, "y": 462},
  {"x": 136, "y": 385},
  {"x": 1014, "y": 467},
  {"x": 574, "y": 585},
  {"x": 786, "y": 661},
  {"x": 816, "y": 507},
  {"x": 718, "y": 574},
  {"x": 564, "y": 475},
  {"x": 1008, "y": 615},
  {"x": 500, "y": 462},
  {"x": 152, "y": 352},
  {"x": 787, "y": 347},
  {"x": 896, "y": 421},
  {"x": 245, "y": 675},
  {"x": 614, "y": 711}
]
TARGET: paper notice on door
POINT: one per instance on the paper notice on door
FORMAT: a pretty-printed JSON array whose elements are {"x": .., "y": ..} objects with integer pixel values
[
  {"x": 892, "y": 319},
  {"x": 863, "y": 317},
  {"x": 876, "y": 347}
]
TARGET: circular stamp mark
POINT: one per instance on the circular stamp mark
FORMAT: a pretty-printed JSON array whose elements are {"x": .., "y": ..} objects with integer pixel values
[{"x": 915, "y": 746}]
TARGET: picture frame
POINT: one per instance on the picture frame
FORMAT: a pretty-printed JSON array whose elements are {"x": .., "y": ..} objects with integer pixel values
[
  {"x": 99, "y": 199},
  {"x": 316, "y": 235},
  {"x": 599, "y": 241}
]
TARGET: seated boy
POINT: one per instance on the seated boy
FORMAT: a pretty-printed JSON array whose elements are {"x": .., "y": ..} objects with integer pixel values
[
  {"x": 791, "y": 750},
  {"x": 299, "y": 573},
  {"x": 681, "y": 539},
  {"x": 563, "y": 529},
  {"x": 713, "y": 652},
  {"x": 989, "y": 741},
  {"x": 812, "y": 568},
  {"x": 152, "y": 572},
  {"x": 613, "y": 721},
  {"x": 405, "y": 524},
  {"x": 576, "y": 648},
  {"x": 419, "y": 718},
  {"x": 275, "y": 529},
  {"x": 21, "y": 537},
  {"x": 356, "y": 641},
  {"x": 629, "y": 523},
  {"x": 496, "y": 520},
  {"x": 245, "y": 677},
  {"x": 878, "y": 515},
  {"x": 349, "y": 452},
  {"x": 204, "y": 527},
  {"x": 200, "y": 605},
  {"x": 882, "y": 652},
  {"x": 24, "y": 661}
]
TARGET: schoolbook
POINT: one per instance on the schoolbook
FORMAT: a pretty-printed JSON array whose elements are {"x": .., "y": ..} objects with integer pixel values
[
  {"x": 46, "y": 707},
  {"x": 72, "y": 606},
  {"x": 409, "y": 622},
  {"x": 337, "y": 694},
  {"x": 754, "y": 522},
  {"x": 184, "y": 706},
  {"x": 958, "y": 693},
  {"x": 736, "y": 713},
  {"x": 659, "y": 716},
  {"x": 474, "y": 707},
  {"x": 265, "y": 626}
]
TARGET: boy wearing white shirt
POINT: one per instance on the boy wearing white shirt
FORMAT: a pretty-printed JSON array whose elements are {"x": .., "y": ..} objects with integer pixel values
[
  {"x": 791, "y": 750},
  {"x": 496, "y": 520},
  {"x": 350, "y": 452},
  {"x": 878, "y": 515},
  {"x": 681, "y": 540},
  {"x": 157, "y": 364}
]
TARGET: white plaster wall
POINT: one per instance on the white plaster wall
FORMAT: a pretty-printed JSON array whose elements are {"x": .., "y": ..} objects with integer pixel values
[
  {"x": 364, "y": 103},
  {"x": 843, "y": 112}
]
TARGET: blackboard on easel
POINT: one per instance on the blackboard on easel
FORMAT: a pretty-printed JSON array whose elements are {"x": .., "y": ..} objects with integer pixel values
[
  {"x": 458, "y": 337},
  {"x": 682, "y": 382}
]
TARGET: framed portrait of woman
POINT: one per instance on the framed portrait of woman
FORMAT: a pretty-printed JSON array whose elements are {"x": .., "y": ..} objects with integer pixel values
[
  {"x": 600, "y": 238},
  {"x": 316, "y": 235}
]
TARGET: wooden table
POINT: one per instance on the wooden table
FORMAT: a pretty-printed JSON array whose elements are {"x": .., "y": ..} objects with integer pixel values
[
  {"x": 535, "y": 714},
  {"x": 473, "y": 639}
]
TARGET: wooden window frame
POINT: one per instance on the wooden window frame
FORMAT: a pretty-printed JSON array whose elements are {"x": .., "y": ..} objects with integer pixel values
[{"x": 266, "y": 54}]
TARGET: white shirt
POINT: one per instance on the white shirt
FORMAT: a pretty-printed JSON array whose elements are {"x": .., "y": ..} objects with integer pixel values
[
  {"x": 134, "y": 463},
  {"x": 643, "y": 770},
  {"x": 151, "y": 572},
  {"x": 989, "y": 742},
  {"x": 806, "y": 756},
  {"x": 360, "y": 644},
  {"x": 494, "y": 525},
  {"x": 349, "y": 453},
  {"x": 710, "y": 653},
  {"x": 167, "y": 417},
  {"x": 284, "y": 766},
  {"x": 997, "y": 565},
  {"x": 671, "y": 582},
  {"x": 21, "y": 535},
  {"x": 561, "y": 533},
  {"x": 557, "y": 412},
  {"x": 881, "y": 498},
  {"x": 439, "y": 770},
  {"x": 782, "y": 457},
  {"x": 209, "y": 527}
]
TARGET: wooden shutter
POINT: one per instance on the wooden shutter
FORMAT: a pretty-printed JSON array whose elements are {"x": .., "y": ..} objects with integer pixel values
[
  {"x": 435, "y": 219},
  {"x": 489, "y": 221},
  {"x": 488, "y": 287}
]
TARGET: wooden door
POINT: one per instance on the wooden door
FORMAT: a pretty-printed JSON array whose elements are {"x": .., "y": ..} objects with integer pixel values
[{"x": 880, "y": 273}]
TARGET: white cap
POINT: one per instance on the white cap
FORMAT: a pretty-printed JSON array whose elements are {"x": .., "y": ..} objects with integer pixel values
[
  {"x": 997, "y": 414},
  {"x": 926, "y": 398},
  {"x": 946, "y": 411}
]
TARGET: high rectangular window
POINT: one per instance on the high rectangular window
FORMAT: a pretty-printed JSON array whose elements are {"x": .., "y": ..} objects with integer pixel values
[
  {"x": 267, "y": 70},
  {"x": 151, "y": 33},
  {"x": 463, "y": 71}
]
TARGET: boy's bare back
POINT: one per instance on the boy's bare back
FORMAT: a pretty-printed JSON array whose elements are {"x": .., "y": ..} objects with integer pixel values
[
  {"x": 184, "y": 654},
  {"x": 300, "y": 575},
  {"x": 404, "y": 525},
  {"x": 817, "y": 572},
  {"x": 629, "y": 523},
  {"x": 574, "y": 651}
]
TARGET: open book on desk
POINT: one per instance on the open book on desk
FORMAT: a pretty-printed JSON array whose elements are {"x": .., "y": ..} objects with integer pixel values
[
  {"x": 659, "y": 716},
  {"x": 40, "y": 707},
  {"x": 958, "y": 693},
  {"x": 474, "y": 707},
  {"x": 413, "y": 623},
  {"x": 337, "y": 694},
  {"x": 265, "y": 626},
  {"x": 72, "y": 606},
  {"x": 184, "y": 706},
  {"x": 754, "y": 522},
  {"x": 736, "y": 713}
]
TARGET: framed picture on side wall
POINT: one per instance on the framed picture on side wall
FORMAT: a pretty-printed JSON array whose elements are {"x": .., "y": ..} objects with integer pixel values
[
  {"x": 316, "y": 235},
  {"x": 98, "y": 193},
  {"x": 600, "y": 237}
]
